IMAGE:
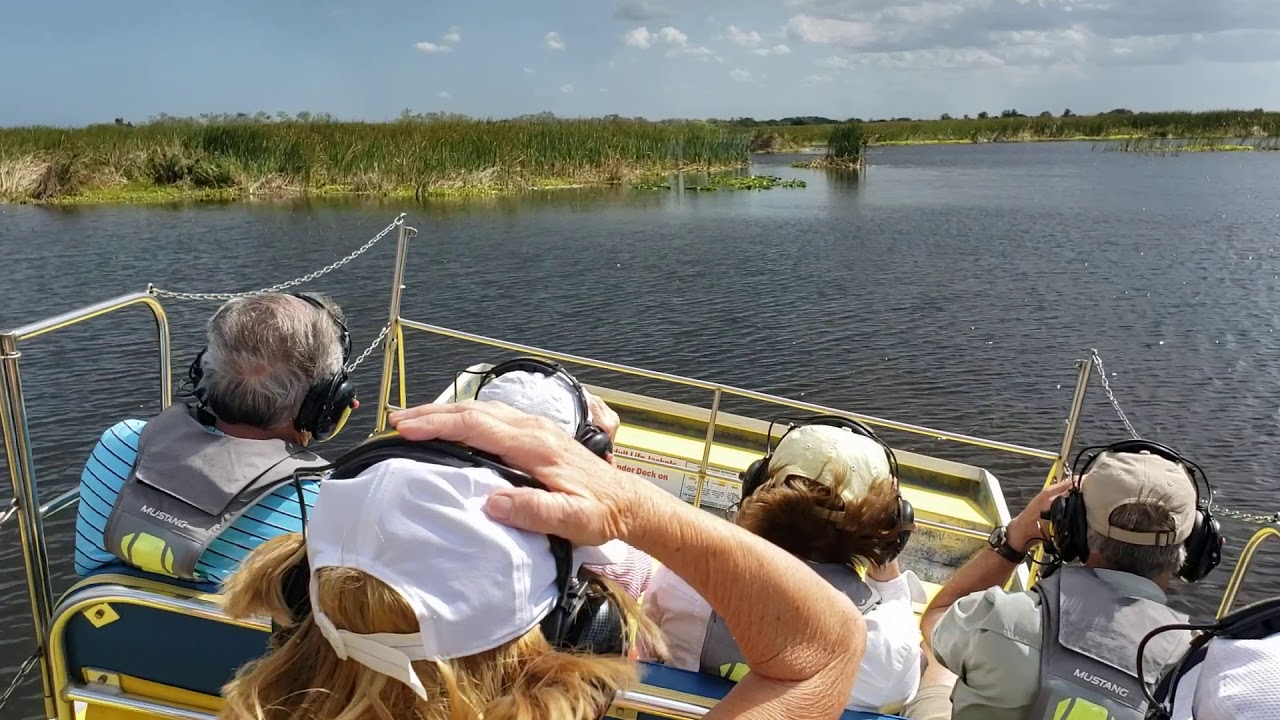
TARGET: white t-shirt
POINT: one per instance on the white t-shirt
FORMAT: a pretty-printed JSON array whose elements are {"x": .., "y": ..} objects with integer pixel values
[
  {"x": 890, "y": 673},
  {"x": 1236, "y": 679}
]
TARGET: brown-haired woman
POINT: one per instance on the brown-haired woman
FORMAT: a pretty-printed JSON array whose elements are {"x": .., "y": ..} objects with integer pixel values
[
  {"x": 828, "y": 496},
  {"x": 429, "y": 604}
]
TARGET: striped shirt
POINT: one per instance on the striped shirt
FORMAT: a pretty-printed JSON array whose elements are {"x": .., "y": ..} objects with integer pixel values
[{"x": 109, "y": 466}]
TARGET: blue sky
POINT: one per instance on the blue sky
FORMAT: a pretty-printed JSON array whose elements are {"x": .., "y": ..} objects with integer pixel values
[{"x": 71, "y": 62}]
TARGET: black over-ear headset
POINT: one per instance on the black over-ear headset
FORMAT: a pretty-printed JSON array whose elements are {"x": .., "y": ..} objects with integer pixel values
[
  {"x": 327, "y": 402},
  {"x": 595, "y": 439},
  {"x": 757, "y": 473},
  {"x": 1069, "y": 528},
  {"x": 584, "y": 619},
  {"x": 1252, "y": 622}
]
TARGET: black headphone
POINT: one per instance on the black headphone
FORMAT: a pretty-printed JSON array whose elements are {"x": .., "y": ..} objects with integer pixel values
[
  {"x": 584, "y": 618},
  {"x": 1068, "y": 533},
  {"x": 757, "y": 473},
  {"x": 1251, "y": 622},
  {"x": 327, "y": 402},
  {"x": 595, "y": 439}
]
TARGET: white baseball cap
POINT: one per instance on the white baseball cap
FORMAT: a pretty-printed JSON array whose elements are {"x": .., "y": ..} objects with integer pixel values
[
  {"x": 551, "y": 396},
  {"x": 824, "y": 453},
  {"x": 474, "y": 584}
]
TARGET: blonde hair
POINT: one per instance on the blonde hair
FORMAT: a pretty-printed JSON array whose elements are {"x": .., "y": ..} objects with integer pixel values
[
  {"x": 303, "y": 679},
  {"x": 813, "y": 522}
]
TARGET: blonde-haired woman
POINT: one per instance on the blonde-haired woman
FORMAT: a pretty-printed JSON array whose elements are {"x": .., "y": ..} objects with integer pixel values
[{"x": 431, "y": 592}]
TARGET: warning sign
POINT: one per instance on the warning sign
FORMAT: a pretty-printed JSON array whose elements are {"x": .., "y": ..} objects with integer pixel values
[{"x": 680, "y": 477}]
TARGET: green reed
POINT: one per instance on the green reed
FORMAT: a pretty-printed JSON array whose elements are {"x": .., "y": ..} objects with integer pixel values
[{"x": 420, "y": 156}]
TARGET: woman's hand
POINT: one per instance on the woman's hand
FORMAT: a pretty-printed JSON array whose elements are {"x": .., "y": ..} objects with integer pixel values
[{"x": 591, "y": 502}]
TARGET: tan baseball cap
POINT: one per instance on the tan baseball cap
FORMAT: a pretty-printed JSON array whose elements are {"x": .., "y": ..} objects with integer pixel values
[
  {"x": 823, "y": 453},
  {"x": 1118, "y": 479}
]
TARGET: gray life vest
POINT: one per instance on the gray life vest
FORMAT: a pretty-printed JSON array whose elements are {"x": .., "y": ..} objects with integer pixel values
[
  {"x": 720, "y": 653},
  {"x": 188, "y": 484},
  {"x": 1089, "y": 648}
]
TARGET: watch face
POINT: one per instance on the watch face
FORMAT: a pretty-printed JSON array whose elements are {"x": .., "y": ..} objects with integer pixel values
[{"x": 996, "y": 538}]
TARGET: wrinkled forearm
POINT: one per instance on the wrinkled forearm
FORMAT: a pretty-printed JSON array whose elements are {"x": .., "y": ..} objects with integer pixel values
[{"x": 801, "y": 638}]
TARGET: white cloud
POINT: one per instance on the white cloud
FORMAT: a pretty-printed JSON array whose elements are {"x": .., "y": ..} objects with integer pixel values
[
  {"x": 567, "y": 89},
  {"x": 671, "y": 36},
  {"x": 638, "y": 38},
  {"x": 528, "y": 70},
  {"x": 453, "y": 37},
  {"x": 775, "y": 50},
  {"x": 740, "y": 75},
  {"x": 604, "y": 90},
  {"x": 745, "y": 39},
  {"x": 553, "y": 41},
  {"x": 835, "y": 62},
  {"x": 831, "y": 31},
  {"x": 432, "y": 48},
  {"x": 676, "y": 42},
  {"x": 815, "y": 79},
  {"x": 444, "y": 95}
]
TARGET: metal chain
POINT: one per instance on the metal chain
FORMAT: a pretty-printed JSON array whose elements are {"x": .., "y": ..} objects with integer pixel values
[
  {"x": 1102, "y": 373},
  {"x": 372, "y": 346},
  {"x": 1217, "y": 509},
  {"x": 284, "y": 285},
  {"x": 18, "y": 677}
]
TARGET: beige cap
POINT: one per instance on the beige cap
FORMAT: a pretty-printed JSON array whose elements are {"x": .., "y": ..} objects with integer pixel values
[
  {"x": 823, "y": 453},
  {"x": 1117, "y": 479}
]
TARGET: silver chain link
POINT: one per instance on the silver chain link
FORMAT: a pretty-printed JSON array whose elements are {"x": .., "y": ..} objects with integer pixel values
[
  {"x": 1106, "y": 385},
  {"x": 284, "y": 285},
  {"x": 22, "y": 673},
  {"x": 372, "y": 346},
  {"x": 1254, "y": 518}
]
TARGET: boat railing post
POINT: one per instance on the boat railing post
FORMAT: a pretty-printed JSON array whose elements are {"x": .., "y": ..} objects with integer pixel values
[
  {"x": 1073, "y": 418},
  {"x": 706, "y": 447},
  {"x": 1061, "y": 469},
  {"x": 390, "y": 342},
  {"x": 17, "y": 448},
  {"x": 1242, "y": 568}
]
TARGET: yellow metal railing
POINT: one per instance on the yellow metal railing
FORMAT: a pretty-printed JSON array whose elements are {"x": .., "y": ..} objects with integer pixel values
[
  {"x": 18, "y": 452},
  {"x": 1242, "y": 567}
]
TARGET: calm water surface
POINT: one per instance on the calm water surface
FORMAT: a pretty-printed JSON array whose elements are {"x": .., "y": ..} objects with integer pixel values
[{"x": 954, "y": 286}]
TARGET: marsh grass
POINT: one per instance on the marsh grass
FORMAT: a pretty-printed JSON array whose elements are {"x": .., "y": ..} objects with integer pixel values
[
  {"x": 1177, "y": 146},
  {"x": 409, "y": 158}
]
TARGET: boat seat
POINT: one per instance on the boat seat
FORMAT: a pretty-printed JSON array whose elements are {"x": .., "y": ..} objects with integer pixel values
[
  {"x": 700, "y": 689},
  {"x": 123, "y": 622}
]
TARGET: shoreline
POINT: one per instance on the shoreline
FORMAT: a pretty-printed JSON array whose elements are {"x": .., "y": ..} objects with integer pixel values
[{"x": 151, "y": 194}]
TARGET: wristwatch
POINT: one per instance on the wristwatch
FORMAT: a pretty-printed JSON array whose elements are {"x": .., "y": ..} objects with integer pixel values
[{"x": 999, "y": 541}]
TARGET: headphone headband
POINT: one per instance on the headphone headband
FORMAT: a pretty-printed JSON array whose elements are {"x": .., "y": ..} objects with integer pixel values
[
  {"x": 587, "y": 433},
  {"x": 757, "y": 473},
  {"x": 1137, "y": 445}
]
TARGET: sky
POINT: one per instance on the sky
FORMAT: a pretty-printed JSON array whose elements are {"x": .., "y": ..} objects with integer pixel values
[{"x": 73, "y": 62}]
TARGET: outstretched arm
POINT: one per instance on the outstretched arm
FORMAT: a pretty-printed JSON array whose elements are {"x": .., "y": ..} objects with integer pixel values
[{"x": 802, "y": 639}]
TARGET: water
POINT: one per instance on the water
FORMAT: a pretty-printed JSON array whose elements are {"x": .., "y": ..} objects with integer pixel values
[{"x": 954, "y": 286}]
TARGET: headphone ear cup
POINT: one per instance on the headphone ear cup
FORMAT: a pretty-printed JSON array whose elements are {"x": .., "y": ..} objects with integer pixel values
[
  {"x": 754, "y": 476},
  {"x": 595, "y": 625},
  {"x": 906, "y": 525},
  {"x": 324, "y": 408},
  {"x": 1068, "y": 527},
  {"x": 1203, "y": 546}
]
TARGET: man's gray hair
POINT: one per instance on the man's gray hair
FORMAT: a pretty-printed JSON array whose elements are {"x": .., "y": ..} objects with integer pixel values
[
  {"x": 264, "y": 354},
  {"x": 1149, "y": 561}
]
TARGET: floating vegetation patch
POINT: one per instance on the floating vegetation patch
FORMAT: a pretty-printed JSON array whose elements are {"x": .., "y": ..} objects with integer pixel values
[
  {"x": 727, "y": 182},
  {"x": 1177, "y": 146}
]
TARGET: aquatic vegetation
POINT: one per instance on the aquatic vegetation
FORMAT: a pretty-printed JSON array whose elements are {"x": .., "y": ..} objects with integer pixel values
[
  {"x": 1177, "y": 146},
  {"x": 726, "y": 182},
  {"x": 415, "y": 157}
]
